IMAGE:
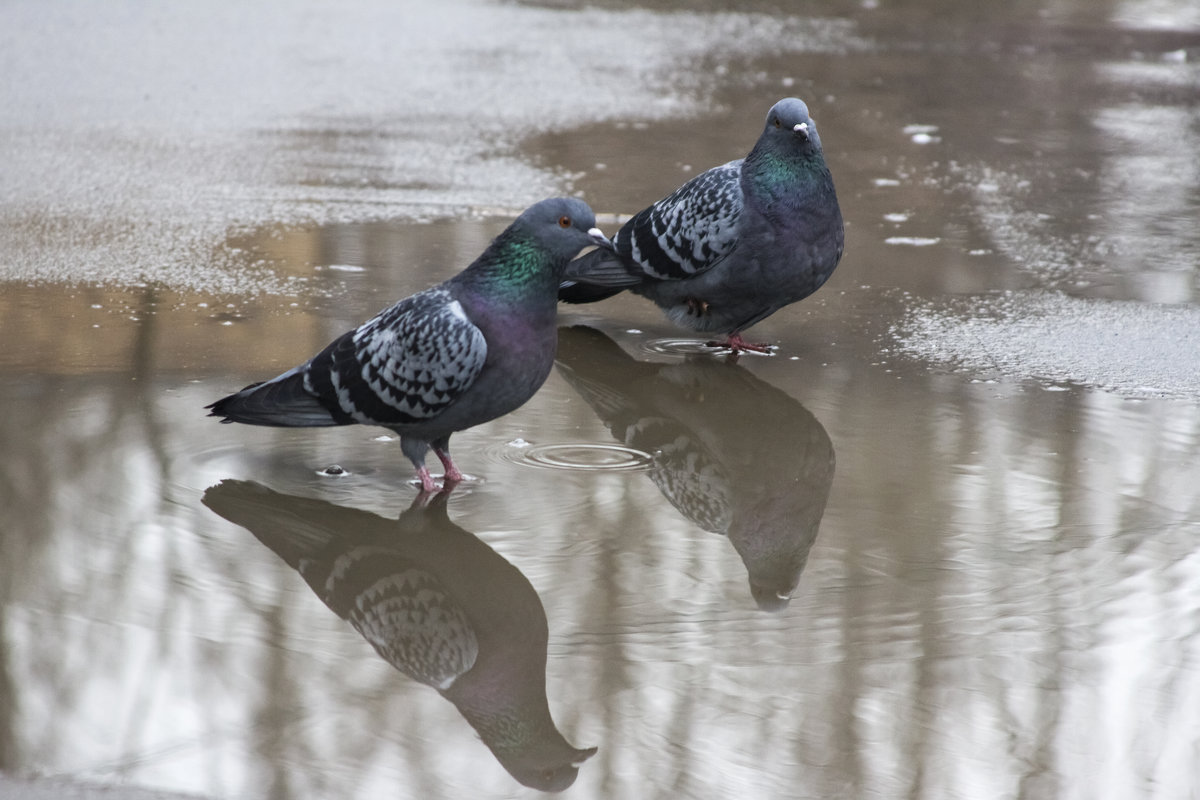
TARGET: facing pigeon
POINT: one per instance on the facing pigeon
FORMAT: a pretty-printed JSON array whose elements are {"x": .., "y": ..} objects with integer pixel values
[
  {"x": 451, "y": 357},
  {"x": 733, "y": 245}
]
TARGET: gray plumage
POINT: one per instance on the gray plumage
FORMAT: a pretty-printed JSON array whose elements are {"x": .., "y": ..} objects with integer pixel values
[
  {"x": 407, "y": 615},
  {"x": 734, "y": 244},
  {"x": 453, "y": 356}
]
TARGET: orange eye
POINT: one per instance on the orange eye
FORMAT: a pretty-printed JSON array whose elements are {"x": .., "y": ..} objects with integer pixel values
[{"x": 564, "y": 221}]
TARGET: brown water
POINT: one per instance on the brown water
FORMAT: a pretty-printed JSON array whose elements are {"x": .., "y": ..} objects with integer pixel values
[{"x": 944, "y": 543}]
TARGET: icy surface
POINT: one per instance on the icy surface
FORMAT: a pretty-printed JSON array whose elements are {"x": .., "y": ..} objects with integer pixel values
[
  {"x": 135, "y": 138},
  {"x": 1133, "y": 349}
]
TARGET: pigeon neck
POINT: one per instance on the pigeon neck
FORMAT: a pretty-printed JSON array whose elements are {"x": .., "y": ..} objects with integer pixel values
[
  {"x": 512, "y": 266},
  {"x": 510, "y": 725},
  {"x": 773, "y": 172}
]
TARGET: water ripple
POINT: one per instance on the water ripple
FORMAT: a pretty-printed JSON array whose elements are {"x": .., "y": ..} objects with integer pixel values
[
  {"x": 679, "y": 347},
  {"x": 584, "y": 456}
]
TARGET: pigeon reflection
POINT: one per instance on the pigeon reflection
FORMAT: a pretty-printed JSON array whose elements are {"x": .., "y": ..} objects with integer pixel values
[
  {"x": 436, "y": 602},
  {"x": 732, "y": 453}
]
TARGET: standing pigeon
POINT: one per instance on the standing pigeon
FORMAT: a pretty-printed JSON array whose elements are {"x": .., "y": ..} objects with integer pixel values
[
  {"x": 436, "y": 603},
  {"x": 453, "y": 356},
  {"x": 734, "y": 244}
]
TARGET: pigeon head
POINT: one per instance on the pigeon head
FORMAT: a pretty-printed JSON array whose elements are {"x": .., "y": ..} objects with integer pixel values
[
  {"x": 770, "y": 598},
  {"x": 788, "y": 123},
  {"x": 562, "y": 226},
  {"x": 534, "y": 250},
  {"x": 547, "y": 773}
]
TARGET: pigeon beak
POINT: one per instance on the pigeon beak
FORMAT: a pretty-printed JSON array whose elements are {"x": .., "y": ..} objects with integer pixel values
[
  {"x": 597, "y": 236},
  {"x": 582, "y": 756},
  {"x": 802, "y": 129}
]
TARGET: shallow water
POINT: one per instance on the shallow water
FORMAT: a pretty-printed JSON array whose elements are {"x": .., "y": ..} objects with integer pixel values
[{"x": 942, "y": 544}]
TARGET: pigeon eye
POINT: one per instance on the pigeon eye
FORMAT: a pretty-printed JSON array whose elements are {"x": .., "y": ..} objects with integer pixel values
[
  {"x": 564, "y": 221},
  {"x": 776, "y": 122}
]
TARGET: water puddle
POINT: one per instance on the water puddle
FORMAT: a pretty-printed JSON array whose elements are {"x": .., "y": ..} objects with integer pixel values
[{"x": 912, "y": 552}]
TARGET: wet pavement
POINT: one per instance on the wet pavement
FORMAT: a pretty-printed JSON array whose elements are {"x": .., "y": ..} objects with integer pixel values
[{"x": 944, "y": 543}]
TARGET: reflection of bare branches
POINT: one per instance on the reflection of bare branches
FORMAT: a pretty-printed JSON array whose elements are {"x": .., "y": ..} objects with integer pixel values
[
  {"x": 10, "y": 756},
  {"x": 142, "y": 372}
]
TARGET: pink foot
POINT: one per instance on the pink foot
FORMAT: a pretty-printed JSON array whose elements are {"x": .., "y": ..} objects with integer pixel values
[{"x": 737, "y": 344}]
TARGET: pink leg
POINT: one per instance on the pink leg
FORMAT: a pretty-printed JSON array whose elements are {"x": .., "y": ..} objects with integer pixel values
[
  {"x": 737, "y": 344},
  {"x": 427, "y": 484},
  {"x": 453, "y": 475}
]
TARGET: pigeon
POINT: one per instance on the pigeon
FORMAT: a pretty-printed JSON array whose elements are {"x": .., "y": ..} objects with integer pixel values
[
  {"x": 733, "y": 245},
  {"x": 435, "y": 602},
  {"x": 733, "y": 454},
  {"x": 445, "y": 359}
]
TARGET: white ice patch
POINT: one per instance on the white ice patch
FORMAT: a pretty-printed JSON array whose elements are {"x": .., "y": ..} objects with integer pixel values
[
  {"x": 911, "y": 241},
  {"x": 1132, "y": 349}
]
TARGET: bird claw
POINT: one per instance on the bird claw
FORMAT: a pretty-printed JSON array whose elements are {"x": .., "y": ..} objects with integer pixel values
[
  {"x": 453, "y": 476},
  {"x": 736, "y": 344},
  {"x": 428, "y": 484}
]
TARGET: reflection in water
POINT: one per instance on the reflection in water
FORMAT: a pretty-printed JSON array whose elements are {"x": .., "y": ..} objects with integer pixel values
[
  {"x": 1004, "y": 600},
  {"x": 734, "y": 454},
  {"x": 436, "y": 602}
]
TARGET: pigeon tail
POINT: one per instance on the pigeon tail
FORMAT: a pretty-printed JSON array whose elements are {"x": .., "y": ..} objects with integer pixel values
[
  {"x": 585, "y": 349},
  {"x": 596, "y": 275},
  {"x": 577, "y": 293},
  {"x": 280, "y": 402},
  {"x": 599, "y": 369},
  {"x": 293, "y": 527}
]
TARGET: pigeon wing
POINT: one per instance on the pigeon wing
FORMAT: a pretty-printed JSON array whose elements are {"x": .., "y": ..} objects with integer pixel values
[
  {"x": 689, "y": 231},
  {"x": 409, "y": 618},
  {"x": 405, "y": 365}
]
